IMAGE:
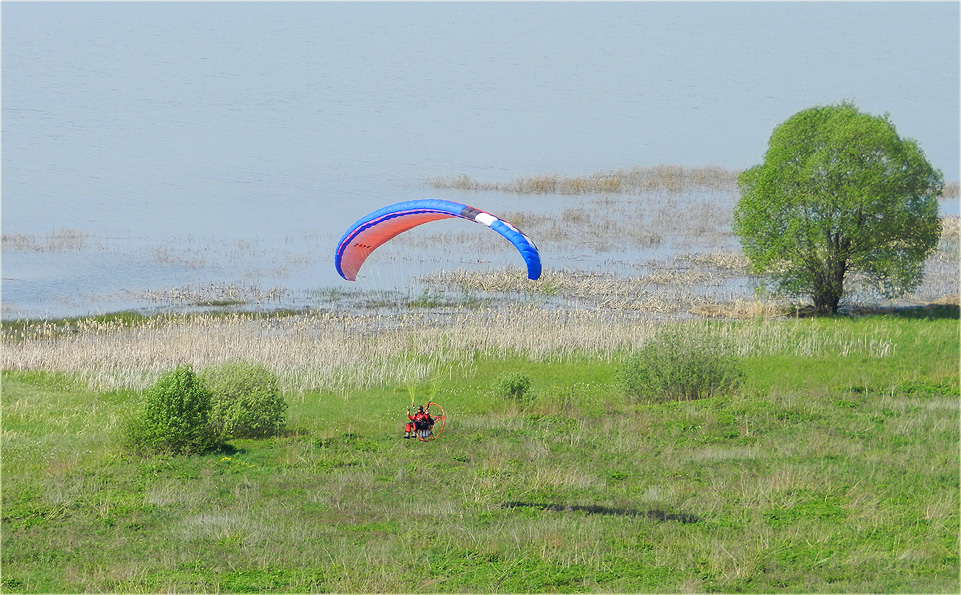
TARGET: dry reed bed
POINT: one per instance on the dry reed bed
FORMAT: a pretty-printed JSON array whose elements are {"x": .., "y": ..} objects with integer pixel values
[
  {"x": 213, "y": 293},
  {"x": 338, "y": 352},
  {"x": 332, "y": 351},
  {"x": 662, "y": 291},
  {"x": 950, "y": 228},
  {"x": 740, "y": 309},
  {"x": 942, "y": 271},
  {"x": 62, "y": 240},
  {"x": 633, "y": 180}
]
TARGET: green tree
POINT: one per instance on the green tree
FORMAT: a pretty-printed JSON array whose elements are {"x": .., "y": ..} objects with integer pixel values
[{"x": 839, "y": 193}]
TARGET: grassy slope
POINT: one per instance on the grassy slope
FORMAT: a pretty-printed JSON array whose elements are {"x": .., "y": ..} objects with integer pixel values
[{"x": 827, "y": 473}]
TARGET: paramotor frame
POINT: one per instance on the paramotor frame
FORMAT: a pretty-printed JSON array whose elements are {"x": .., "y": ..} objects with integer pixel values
[{"x": 434, "y": 432}]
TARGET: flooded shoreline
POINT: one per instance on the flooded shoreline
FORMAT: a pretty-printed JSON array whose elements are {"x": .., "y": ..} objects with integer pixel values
[{"x": 661, "y": 253}]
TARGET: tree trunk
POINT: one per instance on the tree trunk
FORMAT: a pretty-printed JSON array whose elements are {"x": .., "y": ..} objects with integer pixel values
[{"x": 829, "y": 287}]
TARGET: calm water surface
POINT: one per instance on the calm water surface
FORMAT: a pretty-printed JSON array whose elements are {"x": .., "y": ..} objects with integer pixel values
[{"x": 183, "y": 144}]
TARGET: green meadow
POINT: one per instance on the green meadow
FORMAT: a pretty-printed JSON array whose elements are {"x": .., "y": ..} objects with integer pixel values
[{"x": 832, "y": 468}]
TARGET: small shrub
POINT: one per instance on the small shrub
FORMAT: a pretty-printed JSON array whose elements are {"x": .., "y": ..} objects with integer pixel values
[
  {"x": 245, "y": 401},
  {"x": 680, "y": 364},
  {"x": 175, "y": 416},
  {"x": 514, "y": 386}
]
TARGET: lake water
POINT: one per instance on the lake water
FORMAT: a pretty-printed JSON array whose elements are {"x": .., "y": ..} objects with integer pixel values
[{"x": 153, "y": 148}]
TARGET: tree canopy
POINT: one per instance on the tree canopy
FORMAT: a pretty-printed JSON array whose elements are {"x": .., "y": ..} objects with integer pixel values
[{"x": 839, "y": 193}]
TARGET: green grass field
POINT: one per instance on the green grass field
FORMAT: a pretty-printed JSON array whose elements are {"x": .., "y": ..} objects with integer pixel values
[{"x": 834, "y": 469}]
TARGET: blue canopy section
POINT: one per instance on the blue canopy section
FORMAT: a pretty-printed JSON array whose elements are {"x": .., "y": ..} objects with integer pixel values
[{"x": 523, "y": 244}]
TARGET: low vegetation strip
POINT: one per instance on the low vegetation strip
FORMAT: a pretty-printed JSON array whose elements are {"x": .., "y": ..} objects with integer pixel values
[
  {"x": 633, "y": 180},
  {"x": 337, "y": 351}
]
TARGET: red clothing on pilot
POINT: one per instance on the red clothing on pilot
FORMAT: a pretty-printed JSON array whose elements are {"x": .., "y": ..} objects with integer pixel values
[{"x": 419, "y": 421}]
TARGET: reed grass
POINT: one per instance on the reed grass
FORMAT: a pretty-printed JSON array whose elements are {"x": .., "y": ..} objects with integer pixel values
[
  {"x": 328, "y": 351},
  {"x": 741, "y": 309},
  {"x": 214, "y": 293},
  {"x": 166, "y": 255},
  {"x": 62, "y": 240},
  {"x": 634, "y": 180},
  {"x": 949, "y": 228}
]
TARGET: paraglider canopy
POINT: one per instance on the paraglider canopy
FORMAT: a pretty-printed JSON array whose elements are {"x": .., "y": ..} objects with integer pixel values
[{"x": 374, "y": 229}]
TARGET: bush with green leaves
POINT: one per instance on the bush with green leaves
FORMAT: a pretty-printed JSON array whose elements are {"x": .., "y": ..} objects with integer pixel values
[
  {"x": 245, "y": 401},
  {"x": 515, "y": 386},
  {"x": 680, "y": 363},
  {"x": 175, "y": 416}
]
